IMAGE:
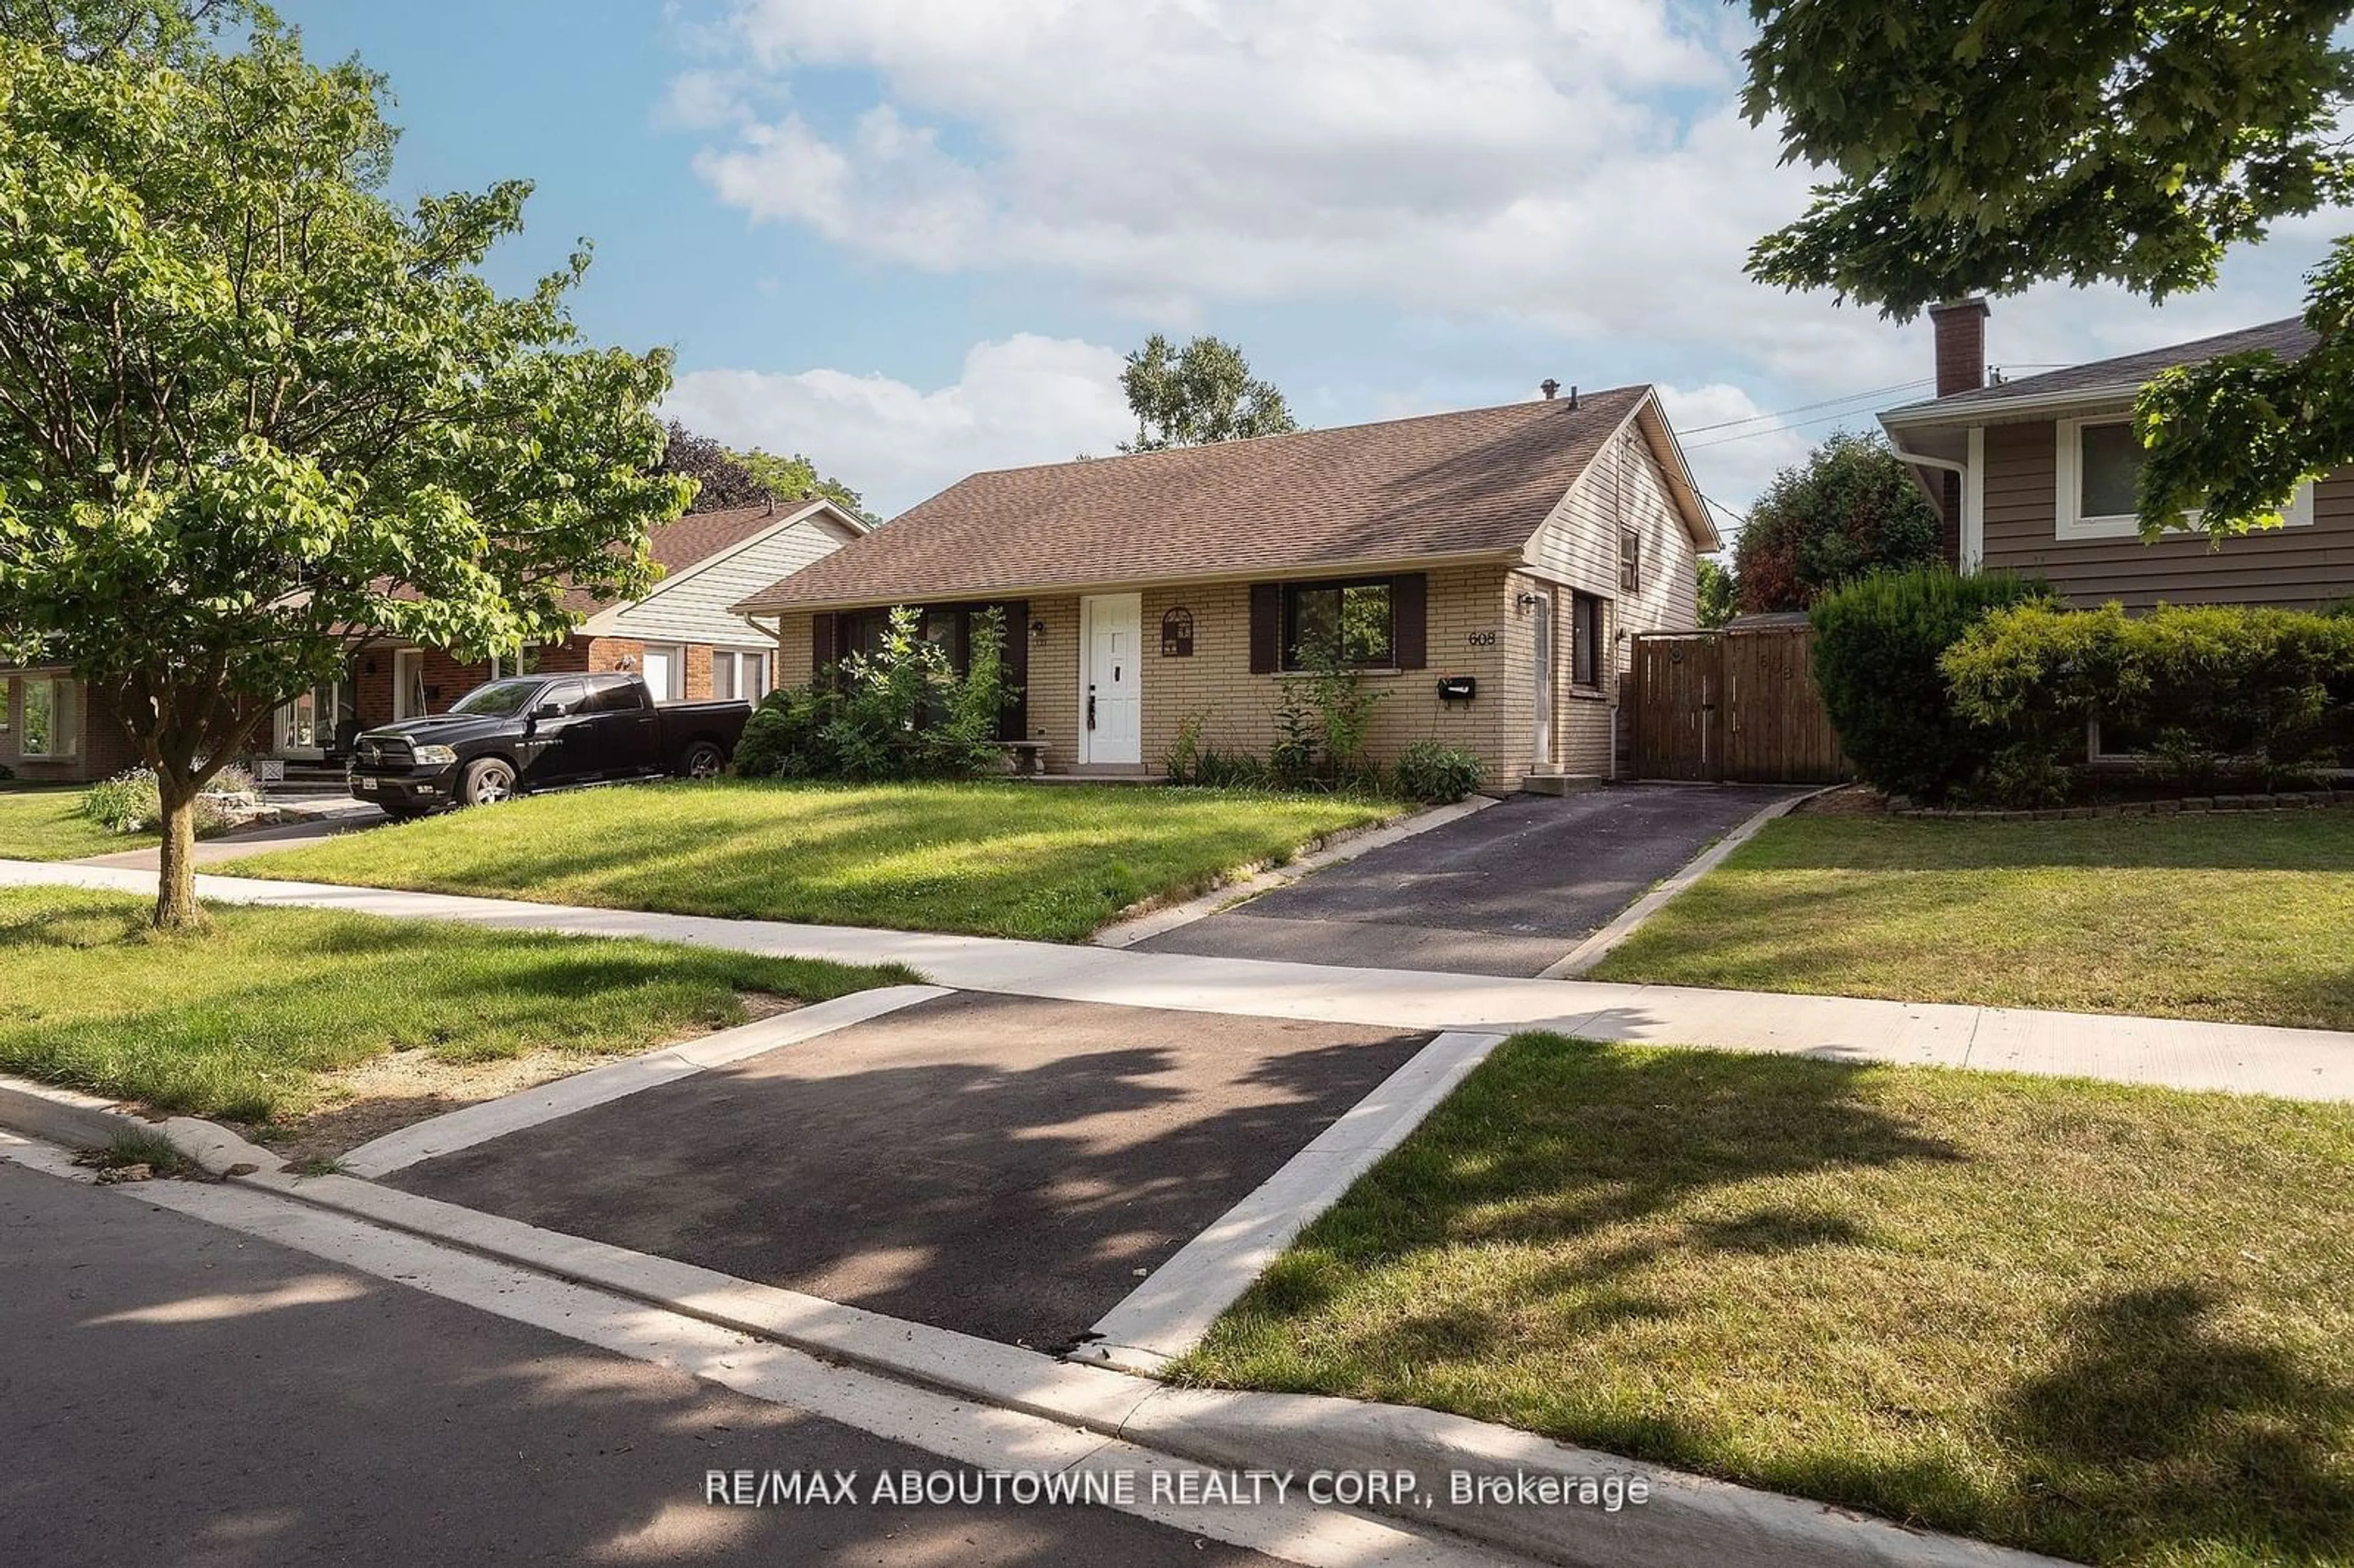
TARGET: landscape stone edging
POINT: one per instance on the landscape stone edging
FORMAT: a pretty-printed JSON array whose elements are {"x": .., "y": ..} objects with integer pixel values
[{"x": 2287, "y": 801}]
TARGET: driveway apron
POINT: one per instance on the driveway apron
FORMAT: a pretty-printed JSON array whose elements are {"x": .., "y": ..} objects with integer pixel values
[
  {"x": 1003, "y": 1166},
  {"x": 1506, "y": 891}
]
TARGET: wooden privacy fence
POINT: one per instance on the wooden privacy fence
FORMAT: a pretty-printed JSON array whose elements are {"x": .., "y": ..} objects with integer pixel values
[{"x": 1732, "y": 707}]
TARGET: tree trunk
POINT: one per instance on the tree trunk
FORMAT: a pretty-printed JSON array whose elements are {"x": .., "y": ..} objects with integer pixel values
[{"x": 175, "y": 892}]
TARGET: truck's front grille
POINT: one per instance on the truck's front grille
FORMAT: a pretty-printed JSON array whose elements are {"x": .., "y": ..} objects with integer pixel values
[{"x": 371, "y": 752}]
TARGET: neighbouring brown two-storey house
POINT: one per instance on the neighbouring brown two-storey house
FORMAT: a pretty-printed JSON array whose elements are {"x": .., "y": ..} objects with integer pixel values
[{"x": 2037, "y": 476}]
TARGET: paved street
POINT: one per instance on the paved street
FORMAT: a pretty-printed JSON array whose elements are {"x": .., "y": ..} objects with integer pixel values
[
  {"x": 177, "y": 1394},
  {"x": 1506, "y": 891}
]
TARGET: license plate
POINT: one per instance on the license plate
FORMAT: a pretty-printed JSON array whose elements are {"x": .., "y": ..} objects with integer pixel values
[{"x": 367, "y": 783}]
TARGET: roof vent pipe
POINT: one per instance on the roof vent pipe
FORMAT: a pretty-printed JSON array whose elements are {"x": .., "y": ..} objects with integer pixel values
[{"x": 1573, "y": 399}]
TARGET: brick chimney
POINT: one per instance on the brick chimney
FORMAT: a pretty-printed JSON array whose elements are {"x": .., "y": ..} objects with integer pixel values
[{"x": 1960, "y": 326}]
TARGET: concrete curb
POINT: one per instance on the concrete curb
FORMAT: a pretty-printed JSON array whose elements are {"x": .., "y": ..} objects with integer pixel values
[
  {"x": 84, "y": 1121},
  {"x": 1686, "y": 1519},
  {"x": 481, "y": 1122},
  {"x": 1255, "y": 880},
  {"x": 1168, "y": 1314},
  {"x": 1590, "y": 952}
]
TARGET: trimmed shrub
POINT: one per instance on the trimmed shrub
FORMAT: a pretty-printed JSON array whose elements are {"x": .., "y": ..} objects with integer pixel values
[
  {"x": 1435, "y": 773},
  {"x": 1877, "y": 646},
  {"x": 2203, "y": 690}
]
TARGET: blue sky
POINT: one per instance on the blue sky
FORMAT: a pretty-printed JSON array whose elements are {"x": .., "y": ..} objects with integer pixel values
[{"x": 912, "y": 238}]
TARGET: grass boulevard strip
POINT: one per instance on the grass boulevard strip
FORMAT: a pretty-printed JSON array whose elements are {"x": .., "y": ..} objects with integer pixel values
[
  {"x": 2106, "y": 1323},
  {"x": 288, "y": 1021}
]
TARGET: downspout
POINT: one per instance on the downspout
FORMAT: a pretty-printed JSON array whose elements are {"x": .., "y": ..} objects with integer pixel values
[{"x": 1969, "y": 527}]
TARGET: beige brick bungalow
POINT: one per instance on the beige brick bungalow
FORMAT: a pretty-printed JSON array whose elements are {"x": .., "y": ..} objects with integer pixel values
[{"x": 1507, "y": 554}]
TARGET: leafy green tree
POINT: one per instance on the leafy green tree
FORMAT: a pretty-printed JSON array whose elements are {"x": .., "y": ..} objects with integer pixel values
[
  {"x": 1202, "y": 392},
  {"x": 1850, "y": 508},
  {"x": 725, "y": 477},
  {"x": 789, "y": 478},
  {"x": 252, "y": 415},
  {"x": 1719, "y": 592},
  {"x": 1980, "y": 148}
]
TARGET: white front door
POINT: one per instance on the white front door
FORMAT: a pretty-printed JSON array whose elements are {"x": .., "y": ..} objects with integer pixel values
[
  {"x": 1542, "y": 611},
  {"x": 661, "y": 673},
  {"x": 1111, "y": 717},
  {"x": 408, "y": 684}
]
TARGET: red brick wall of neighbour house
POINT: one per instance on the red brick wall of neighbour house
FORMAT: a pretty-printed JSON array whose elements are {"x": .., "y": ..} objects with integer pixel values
[
  {"x": 104, "y": 749},
  {"x": 1580, "y": 550},
  {"x": 2303, "y": 567},
  {"x": 447, "y": 678},
  {"x": 1470, "y": 628}
]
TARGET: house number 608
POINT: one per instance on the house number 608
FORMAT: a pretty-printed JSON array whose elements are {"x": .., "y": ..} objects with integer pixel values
[{"x": 1482, "y": 638}]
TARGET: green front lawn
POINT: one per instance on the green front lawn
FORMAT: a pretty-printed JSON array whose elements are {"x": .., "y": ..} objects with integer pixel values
[
  {"x": 2108, "y": 1323},
  {"x": 2239, "y": 916},
  {"x": 47, "y": 824},
  {"x": 1052, "y": 862},
  {"x": 243, "y": 1020}
]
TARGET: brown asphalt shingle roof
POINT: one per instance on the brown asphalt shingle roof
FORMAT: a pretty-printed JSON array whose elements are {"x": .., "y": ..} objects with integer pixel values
[
  {"x": 2290, "y": 339},
  {"x": 1481, "y": 481}
]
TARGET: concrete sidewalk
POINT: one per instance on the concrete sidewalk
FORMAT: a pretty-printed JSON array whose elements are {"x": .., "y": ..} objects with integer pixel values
[{"x": 2297, "y": 1064}]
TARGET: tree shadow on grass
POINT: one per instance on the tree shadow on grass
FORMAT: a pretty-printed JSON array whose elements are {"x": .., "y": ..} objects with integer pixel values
[{"x": 2159, "y": 1429}]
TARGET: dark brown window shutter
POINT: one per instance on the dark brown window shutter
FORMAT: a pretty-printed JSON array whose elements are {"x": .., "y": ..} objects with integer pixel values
[
  {"x": 820, "y": 643},
  {"x": 1265, "y": 628},
  {"x": 1013, "y": 723},
  {"x": 1410, "y": 613}
]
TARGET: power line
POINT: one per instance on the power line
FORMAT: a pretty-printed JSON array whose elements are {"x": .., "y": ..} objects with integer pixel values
[
  {"x": 1775, "y": 430},
  {"x": 1804, "y": 407}
]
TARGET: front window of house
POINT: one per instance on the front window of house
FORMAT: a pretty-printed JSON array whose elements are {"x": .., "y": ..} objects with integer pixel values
[
  {"x": 738, "y": 675},
  {"x": 2099, "y": 471},
  {"x": 52, "y": 717},
  {"x": 1353, "y": 623}
]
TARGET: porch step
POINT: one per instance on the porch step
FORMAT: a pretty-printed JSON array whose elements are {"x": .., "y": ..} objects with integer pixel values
[{"x": 1561, "y": 783}]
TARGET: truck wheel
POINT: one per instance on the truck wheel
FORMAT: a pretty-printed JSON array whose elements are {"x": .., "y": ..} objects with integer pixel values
[
  {"x": 487, "y": 781},
  {"x": 702, "y": 760}
]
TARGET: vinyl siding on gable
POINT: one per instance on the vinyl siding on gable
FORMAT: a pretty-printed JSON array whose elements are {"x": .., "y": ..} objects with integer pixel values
[
  {"x": 1577, "y": 550},
  {"x": 693, "y": 607},
  {"x": 2297, "y": 567}
]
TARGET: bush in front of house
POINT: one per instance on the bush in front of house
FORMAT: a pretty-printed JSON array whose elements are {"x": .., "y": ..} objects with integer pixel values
[
  {"x": 1878, "y": 642},
  {"x": 900, "y": 713},
  {"x": 1435, "y": 773},
  {"x": 2200, "y": 690},
  {"x": 129, "y": 802}
]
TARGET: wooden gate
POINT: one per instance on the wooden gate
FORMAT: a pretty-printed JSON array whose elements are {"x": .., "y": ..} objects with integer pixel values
[{"x": 1735, "y": 706}]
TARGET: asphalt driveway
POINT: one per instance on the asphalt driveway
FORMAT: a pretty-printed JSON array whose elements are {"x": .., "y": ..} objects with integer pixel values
[
  {"x": 1507, "y": 891},
  {"x": 1003, "y": 1166}
]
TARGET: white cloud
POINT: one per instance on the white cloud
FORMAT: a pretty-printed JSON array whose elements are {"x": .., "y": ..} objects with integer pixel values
[
  {"x": 1489, "y": 156},
  {"x": 1024, "y": 400},
  {"x": 1734, "y": 445},
  {"x": 1576, "y": 165}
]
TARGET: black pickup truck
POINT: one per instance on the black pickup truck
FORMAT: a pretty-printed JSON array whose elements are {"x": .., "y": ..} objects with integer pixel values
[{"x": 537, "y": 732}]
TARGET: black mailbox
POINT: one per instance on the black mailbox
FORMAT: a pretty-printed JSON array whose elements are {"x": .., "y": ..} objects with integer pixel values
[{"x": 1457, "y": 688}]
